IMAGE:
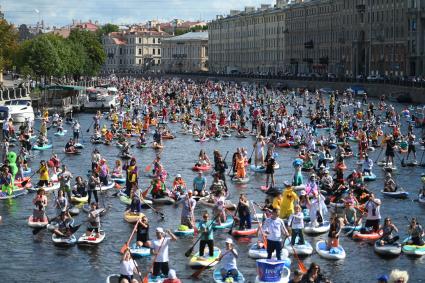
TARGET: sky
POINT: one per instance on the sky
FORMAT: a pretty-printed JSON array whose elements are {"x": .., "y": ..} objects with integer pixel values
[{"x": 62, "y": 12}]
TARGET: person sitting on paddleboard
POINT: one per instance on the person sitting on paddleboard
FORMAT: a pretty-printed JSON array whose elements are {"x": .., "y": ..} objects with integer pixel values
[
  {"x": 228, "y": 262},
  {"x": 179, "y": 187},
  {"x": 117, "y": 171},
  {"x": 79, "y": 187},
  {"x": 142, "y": 235},
  {"x": 389, "y": 183},
  {"x": 388, "y": 230},
  {"x": 64, "y": 226},
  {"x": 416, "y": 233},
  {"x": 199, "y": 185},
  {"x": 203, "y": 159},
  {"x": 127, "y": 269},
  {"x": 70, "y": 146}
]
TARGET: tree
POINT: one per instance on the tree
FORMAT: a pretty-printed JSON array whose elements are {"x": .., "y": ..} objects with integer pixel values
[
  {"x": 40, "y": 55},
  {"x": 93, "y": 49},
  {"x": 106, "y": 29},
  {"x": 8, "y": 43}
]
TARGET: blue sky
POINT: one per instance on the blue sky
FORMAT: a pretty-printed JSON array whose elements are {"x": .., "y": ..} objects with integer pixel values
[{"x": 61, "y": 12}]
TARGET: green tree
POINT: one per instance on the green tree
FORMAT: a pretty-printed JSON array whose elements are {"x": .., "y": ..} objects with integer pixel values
[
  {"x": 93, "y": 49},
  {"x": 106, "y": 29},
  {"x": 8, "y": 43},
  {"x": 40, "y": 55}
]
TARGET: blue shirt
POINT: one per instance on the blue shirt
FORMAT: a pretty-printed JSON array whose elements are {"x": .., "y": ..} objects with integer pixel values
[{"x": 199, "y": 183}]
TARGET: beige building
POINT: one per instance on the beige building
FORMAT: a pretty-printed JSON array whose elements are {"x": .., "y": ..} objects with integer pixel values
[
  {"x": 185, "y": 53},
  {"x": 249, "y": 41},
  {"x": 345, "y": 37},
  {"x": 133, "y": 51}
]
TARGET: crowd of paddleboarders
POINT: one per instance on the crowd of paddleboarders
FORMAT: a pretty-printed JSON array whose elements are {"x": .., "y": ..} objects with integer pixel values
[{"x": 327, "y": 195}]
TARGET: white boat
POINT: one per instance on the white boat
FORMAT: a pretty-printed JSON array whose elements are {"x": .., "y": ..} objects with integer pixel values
[
  {"x": 100, "y": 98},
  {"x": 19, "y": 110}
]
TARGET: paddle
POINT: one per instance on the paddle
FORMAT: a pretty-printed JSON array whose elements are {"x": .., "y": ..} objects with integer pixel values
[
  {"x": 190, "y": 250},
  {"x": 260, "y": 227},
  {"x": 301, "y": 265},
  {"x": 250, "y": 157},
  {"x": 88, "y": 130},
  {"x": 125, "y": 246},
  {"x": 154, "y": 210},
  {"x": 234, "y": 216}
]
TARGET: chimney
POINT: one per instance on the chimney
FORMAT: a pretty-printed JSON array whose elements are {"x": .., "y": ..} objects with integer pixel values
[
  {"x": 249, "y": 9},
  {"x": 265, "y": 7},
  {"x": 234, "y": 12}
]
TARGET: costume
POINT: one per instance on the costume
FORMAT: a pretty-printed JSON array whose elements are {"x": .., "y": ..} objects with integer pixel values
[{"x": 287, "y": 204}]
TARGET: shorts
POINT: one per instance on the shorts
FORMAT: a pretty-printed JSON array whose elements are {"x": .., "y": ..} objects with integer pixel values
[
  {"x": 142, "y": 237},
  {"x": 43, "y": 183},
  {"x": 411, "y": 148},
  {"x": 93, "y": 229},
  {"x": 372, "y": 223}
]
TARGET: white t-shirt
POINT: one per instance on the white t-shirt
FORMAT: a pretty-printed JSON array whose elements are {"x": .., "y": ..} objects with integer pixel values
[
  {"x": 296, "y": 222},
  {"x": 274, "y": 227},
  {"x": 163, "y": 252},
  {"x": 229, "y": 261},
  {"x": 127, "y": 267},
  {"x": 373, "y": 208}
]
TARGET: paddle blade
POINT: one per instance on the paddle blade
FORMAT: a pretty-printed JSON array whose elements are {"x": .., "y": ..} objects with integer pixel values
[
  {"x": 188, "y": 252},
  {"x": 145, "y": 279},
  {"x": 197, "y": 273},
  {"x": 124, "y": 248},
  {"x": 24, "y": 183},
  {"x": 37, "y": 230},
  {"x": 145, "y": 193},
  {"x": 302, "y": 267},
  {"x": 148, "y": 168},
  {"x": 117, "y": 186}
]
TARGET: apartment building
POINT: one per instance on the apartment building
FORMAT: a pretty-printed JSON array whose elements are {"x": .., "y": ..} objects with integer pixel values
[
  {"x": 185, "y": 53},
  {"x": 133, "y": 51}
]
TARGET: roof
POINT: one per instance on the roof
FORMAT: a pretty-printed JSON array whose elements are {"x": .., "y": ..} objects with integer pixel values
[
  {"x": 65, "y": 87},
  {"x": 189, "y": 36},
  {"x": 118, "y": 41}
]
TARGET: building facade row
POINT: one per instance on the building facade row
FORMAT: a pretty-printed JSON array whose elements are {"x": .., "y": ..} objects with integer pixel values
[{"x": 344, "y": 37}]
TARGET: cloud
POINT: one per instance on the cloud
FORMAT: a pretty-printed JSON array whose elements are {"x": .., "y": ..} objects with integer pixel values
[{"x": 62, "y": 12}]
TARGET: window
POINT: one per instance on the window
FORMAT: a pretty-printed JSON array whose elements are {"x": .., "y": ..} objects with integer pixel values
[
  {"x": 140, "y": 51},
  {"x": 153, "y": 40},
  {"x": 153, "y": 51},
  {"x": 159, "y": 51}
]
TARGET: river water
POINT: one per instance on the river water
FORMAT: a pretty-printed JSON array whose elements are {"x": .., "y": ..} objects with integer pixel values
[{"x": 29, "y": 258}]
